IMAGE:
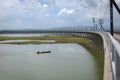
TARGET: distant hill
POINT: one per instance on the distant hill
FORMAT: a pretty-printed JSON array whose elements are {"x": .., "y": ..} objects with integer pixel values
[
  {"x": 73, "y": 28},
  {"x": 107, "y": 28}
]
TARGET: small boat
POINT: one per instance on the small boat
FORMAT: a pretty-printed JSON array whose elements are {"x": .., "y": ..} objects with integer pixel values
[{"x": 43, "y": 52}]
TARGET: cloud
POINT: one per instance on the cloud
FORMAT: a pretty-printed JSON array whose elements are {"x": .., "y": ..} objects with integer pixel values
[
  {"x": 90, "y": 4},
  {"x": 47, "y": 2},
  {"x": 66, "y": 11},
  {"x": 6, "y": 7},
  {"x": 45, "y": 5},
  {"x": 51, "y": 13},
  {"x": 47, "y": 15}
]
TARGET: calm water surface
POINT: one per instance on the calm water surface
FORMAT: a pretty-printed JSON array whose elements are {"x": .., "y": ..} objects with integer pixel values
[{"x": 65, "y": 62}]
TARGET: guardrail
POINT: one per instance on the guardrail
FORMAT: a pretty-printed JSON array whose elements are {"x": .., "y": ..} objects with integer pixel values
[{"x": 114, "y": 52}]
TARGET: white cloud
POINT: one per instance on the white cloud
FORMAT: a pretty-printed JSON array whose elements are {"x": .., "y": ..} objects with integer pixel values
[
  {"x": 66, "y": 11},
  {"x": 6, "y": 7},
  {"x": 45, "y": 5},
  {"x": 51, "y": 12},
  {"x": 47, "y": 15},
  {"x": 7, "y": 3}
]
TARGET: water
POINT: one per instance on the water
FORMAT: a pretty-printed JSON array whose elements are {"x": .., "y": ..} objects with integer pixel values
[{"x": 65, "y": 62}]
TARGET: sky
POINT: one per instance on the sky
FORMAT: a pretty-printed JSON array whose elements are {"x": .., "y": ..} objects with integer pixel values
[{"x": 46, "y": 14}]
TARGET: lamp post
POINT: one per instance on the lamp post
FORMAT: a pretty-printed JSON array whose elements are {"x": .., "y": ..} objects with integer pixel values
[{"x": 93, "y": 23}]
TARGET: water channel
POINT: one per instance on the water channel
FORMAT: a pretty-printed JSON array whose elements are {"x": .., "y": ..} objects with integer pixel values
[{"x": 65, "y": 62}]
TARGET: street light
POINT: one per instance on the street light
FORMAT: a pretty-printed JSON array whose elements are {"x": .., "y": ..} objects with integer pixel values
[{"x": 93, "y": 23}]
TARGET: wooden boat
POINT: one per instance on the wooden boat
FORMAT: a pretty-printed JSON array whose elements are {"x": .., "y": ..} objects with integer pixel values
[{"x": 43, "y": 52}]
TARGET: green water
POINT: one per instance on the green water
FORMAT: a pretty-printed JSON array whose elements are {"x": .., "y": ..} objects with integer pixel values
[{"x": 65, "y": 62}]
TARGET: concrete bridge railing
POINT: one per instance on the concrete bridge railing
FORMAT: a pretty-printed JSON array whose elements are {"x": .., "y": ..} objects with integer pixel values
[{"x": 114, "y": 52}]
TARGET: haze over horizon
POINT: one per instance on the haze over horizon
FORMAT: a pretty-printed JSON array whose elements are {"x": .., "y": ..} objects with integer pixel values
[{"x": 46, "y": 14}]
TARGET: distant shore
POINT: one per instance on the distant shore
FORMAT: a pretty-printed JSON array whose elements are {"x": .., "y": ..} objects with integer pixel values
[{"x": 34, "y": 40}]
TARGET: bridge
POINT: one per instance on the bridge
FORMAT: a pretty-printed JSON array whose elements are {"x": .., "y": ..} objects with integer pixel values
[{"x": 109, "y": 46}]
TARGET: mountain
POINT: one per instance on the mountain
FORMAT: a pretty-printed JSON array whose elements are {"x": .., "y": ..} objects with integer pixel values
[{"x": 72, "y": 28}]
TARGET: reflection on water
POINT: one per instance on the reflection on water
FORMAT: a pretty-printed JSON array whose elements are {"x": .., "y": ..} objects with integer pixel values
[{"x": 65, "y": 62}]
